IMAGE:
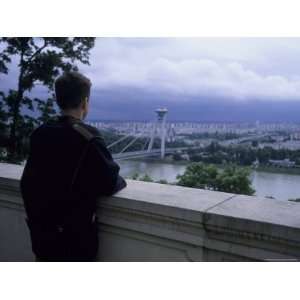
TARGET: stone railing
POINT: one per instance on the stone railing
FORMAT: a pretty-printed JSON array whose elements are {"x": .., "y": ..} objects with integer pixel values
[{"x": 155, "y": 222}]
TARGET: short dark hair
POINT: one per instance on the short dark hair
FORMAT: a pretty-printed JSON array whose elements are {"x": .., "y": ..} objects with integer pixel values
[{"x": 71, "y": 89}]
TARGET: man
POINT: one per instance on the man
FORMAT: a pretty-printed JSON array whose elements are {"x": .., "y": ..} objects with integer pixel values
[{"x": 68, "y": 169}]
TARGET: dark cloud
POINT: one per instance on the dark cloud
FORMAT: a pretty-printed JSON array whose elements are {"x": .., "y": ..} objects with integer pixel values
[
  {"x": 206, "y": 79},
  {"x": 136, "y": 104}
]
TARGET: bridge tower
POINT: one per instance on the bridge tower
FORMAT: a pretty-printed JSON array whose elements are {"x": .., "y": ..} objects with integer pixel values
[{"x": 159, "y": 128}]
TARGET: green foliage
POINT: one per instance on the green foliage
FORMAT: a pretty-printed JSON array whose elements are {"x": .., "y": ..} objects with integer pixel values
[
  {"x": 177, "y": 157},
  {"x": 198, "y": 175},
  {"x": 206, "y": 135},
  {"x": 162, "y": 181},
  {"x": 234, "y": 180},
  {"x": 3, "y": 120},
  {"x": 147, "y": 178},
  {"x": 231, "y": 179},
  {"x": 46, "y": 109},
  {"x": 135, "y": 176},
  {"x": 40, "y": 61},
  {"x": 241, "y": 154}
]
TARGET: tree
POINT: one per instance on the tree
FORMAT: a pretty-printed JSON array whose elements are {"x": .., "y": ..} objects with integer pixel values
[
  {"x": 135, "y": 176},
  {"x": 230, "y": 180},
  {"x": 3, "y": 120},
  {"x": 40, "y": 61},
  {"x": 177, "y": 157},
  {"x": 199, "y": 175},
  {"x": 146, "y": 178},
  {"x": 162, "y": 181},
  {"x": 213, "y": 147},
  {"x": 234, "y": 180}
]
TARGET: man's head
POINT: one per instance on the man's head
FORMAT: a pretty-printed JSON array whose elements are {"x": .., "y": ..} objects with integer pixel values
[{"x": 72, "y": 91}]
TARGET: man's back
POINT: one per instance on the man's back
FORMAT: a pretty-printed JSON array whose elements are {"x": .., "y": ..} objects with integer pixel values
[{"x": 68, "y": 168}]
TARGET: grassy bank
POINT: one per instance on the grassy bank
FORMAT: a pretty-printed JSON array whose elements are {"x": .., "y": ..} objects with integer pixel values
[
  {"x": 163, "y": 161},
  {"x": 269, "y": 169}
]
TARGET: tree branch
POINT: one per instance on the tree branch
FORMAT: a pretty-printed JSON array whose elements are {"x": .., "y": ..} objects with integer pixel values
[{"x": 37, "y": 52}]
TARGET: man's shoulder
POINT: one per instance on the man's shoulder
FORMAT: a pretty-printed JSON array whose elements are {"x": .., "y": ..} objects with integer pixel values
[
  {"x": 91, "y": 129},
  {"x": 56, "y": 125},
  {"x": 46, "y": 126},
  {"x": 87, "y": 131}
]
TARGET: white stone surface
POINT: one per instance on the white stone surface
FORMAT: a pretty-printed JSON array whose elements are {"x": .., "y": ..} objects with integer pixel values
[
  {"x": 264, "y": 210},
  {"x": 161, "y": 199},
  {"x": 11, "y": 171},
  {"x": 155, "y": 222},
  {"x": 172, "y": 196}
]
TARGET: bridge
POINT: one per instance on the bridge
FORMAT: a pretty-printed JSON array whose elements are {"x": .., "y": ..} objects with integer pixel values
[
  {"x": 159, "y": 130},
  {"x": 158, "y": 152},
  {"x": 152, "y": 153}
]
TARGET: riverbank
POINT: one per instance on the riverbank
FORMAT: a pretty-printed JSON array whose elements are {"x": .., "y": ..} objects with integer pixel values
[
  {"x": 261, "y": 168},
  {"x": 276, "y": 170},
  {"x": 162, "y": 161}
]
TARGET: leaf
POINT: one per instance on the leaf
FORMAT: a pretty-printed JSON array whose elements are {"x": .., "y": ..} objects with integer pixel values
[{"x": 41, "y": 60}]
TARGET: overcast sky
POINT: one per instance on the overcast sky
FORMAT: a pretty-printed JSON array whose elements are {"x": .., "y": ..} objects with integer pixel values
[
  {"x": 196, "y": 78},
  {"x": 237, "y": 68}
]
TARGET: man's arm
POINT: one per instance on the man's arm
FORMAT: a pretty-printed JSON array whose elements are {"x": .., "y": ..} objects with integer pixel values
[
  {"x": 105, "y": 170},
  {"x": 100, "y": 172}
]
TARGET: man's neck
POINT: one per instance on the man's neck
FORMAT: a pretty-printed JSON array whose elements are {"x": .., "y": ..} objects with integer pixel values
[{"x": 73, "y": 113}]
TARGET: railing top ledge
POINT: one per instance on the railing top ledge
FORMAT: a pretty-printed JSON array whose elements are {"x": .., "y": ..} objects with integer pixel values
[
  {"x": 273, "y": 217},
  {"x": 11, "y": 171}
]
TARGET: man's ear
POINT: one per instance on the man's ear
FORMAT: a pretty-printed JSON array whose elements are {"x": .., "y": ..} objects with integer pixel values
[{"x": 85, "y": 102}]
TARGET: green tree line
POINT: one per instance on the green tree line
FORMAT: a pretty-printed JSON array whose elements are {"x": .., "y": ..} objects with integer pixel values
[{"x": 241, "y": 155}]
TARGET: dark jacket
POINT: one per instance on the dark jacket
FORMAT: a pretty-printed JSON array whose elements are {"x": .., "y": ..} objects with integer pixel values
[{"x": 68, "y": 168}]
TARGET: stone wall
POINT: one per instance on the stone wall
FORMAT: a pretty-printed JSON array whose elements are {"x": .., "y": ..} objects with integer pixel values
[{"x": 155, "y": 222}]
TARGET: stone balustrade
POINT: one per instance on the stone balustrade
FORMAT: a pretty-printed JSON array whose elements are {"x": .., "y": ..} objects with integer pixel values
[{"x": 156, "y": 222}]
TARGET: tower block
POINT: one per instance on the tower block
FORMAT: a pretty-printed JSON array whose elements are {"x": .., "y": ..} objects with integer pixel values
[{"x": 159, "y": 129}]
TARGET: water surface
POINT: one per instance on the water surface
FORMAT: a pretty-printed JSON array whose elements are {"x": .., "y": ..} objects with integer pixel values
[{"x": 277, "y": 185}]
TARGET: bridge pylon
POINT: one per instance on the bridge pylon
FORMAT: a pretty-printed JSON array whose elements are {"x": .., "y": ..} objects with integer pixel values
[{"x": 159, "y": 129}]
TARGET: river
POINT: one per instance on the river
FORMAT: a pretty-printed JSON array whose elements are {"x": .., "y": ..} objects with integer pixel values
[{"x": 278, "y": 185}]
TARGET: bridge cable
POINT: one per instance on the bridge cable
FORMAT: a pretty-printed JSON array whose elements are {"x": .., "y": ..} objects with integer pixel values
[
  {"x": 119, "y": 140},
  {"x": 145, "y": 144},
  {"x": 128, "y": 145}
]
